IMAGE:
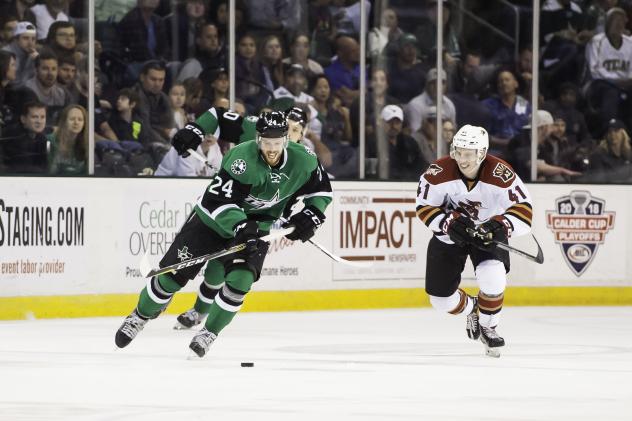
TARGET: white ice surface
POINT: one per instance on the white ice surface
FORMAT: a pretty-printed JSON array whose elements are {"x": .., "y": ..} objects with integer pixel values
[{"x": 559, "y": 364}]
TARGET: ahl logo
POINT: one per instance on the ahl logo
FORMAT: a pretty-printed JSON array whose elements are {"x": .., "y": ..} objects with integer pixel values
[
  {"x": 433, "y": 169},
  {"x": 579, "y": 224}
]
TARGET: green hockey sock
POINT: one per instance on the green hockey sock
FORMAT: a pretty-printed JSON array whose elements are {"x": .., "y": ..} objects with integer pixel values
[
  {"x": 213, "y": 281},
  {"x": 156, "y": 295},
  {"x": 229, "y": 300}
]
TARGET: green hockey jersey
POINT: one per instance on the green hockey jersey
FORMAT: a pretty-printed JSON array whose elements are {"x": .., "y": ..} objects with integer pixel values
[
  {"x": 246, "y": 187},
  {"x": 227, "y": 125}
]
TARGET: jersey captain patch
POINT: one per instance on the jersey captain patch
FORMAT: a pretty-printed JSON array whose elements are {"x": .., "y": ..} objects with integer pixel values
[
  {"x": 433, "y": 169},
  {"x": 501, "y": 171},
  {"x": 238, "y": 166}
]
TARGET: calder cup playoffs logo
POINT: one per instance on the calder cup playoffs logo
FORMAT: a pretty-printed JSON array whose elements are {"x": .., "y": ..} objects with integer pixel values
[{"x": 579, "y": 223}]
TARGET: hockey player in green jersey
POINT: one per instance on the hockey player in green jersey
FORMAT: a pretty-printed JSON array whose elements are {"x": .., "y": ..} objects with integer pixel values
[{"x": 257, "y": 182}]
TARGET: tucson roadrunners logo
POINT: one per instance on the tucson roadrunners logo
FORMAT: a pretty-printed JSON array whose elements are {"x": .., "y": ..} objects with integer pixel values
[
  {"x": 579, "y": 223},
  {"x": 470, "y": 207},
  {"x": 433, "y": 169}
]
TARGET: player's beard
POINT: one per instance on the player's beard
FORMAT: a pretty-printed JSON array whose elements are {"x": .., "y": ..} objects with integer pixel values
[{"x": 272, "y": 161}]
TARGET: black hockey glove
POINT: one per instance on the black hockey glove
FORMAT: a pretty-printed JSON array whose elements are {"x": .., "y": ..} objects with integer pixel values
[
  {"x": 456, "y": 226},
  {"x": 246, "y": 232},
  {"x": 186, "y": 138},
  {"x": 305, "y": 223},
  {"x": 497, "y": 228}
]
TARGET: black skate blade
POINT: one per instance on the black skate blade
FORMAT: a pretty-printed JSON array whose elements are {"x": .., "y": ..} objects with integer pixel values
[{"x": 199, "y": 351}]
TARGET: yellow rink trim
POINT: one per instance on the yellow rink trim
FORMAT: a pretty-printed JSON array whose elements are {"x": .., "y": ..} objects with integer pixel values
[{"x": 13, "y": 308}]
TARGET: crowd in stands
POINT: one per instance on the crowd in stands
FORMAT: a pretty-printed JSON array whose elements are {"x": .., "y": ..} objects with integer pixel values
[{"x": 161, "y": 63}]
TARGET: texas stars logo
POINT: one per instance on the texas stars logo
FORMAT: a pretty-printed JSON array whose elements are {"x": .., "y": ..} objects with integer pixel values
[
  {"x": 238, "y": 166},
  {"x": 183, "y": 254},
  {"x": 579, "y": 223}
]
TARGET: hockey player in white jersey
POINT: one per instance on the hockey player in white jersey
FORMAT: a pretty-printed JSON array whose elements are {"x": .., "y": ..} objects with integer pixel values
[{"x": 469, "y": 199}]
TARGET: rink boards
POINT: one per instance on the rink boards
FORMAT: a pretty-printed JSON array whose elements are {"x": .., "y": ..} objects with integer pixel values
[{"x": 70, "y": 247}]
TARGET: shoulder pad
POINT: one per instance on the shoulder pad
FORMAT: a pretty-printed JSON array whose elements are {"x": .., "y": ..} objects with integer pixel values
[
  {"x": 442, "y": 171},
  {"x": 497, "y": 172}
]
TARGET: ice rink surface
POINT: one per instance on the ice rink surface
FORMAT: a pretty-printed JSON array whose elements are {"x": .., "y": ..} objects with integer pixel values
[{"x": 560, "y": 363}]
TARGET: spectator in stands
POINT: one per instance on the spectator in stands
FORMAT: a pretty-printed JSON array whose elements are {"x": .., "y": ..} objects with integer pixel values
[
  {"x": 8, "y": 70},
  {"x": 20, "y": 9},
  {"x": 398, "y": 154},
  {"x": 174, "y": 165},
  {"x": 44, "y": 83},
  {"x": 426, "y": 33},
  {"x": 449, "y": 130},
  {"x": 510, "y": 111},
  {"x": 62, "y": 40},
  {"x": 215, "y": 85},
  {"x": 219, "y": 16},
  {"x": 177, "y": 99},
  {"x": 519, "y": 152},
  {"x": 336, "y": 129},
  {"x": 280, "y": 16},
  {"x": 143, "y": 36},
  {"x": 250, "y": 79},
  {"x": 182, "y": 26},
  {"x": 112, "y": 10},
  {"x": 47, "y": 13},
  {"x": 344, "y": 72},
  {"x": 376, "y": 99},
  {"x": 25, "y": 144},
  {"x": 609, "y": 58},
  {"x": 406, "y": 73},
  {"x": 209, "y": 53},
  {"x": 346, "y": 14},
  {"x": 67, "y": 77},
  {"x": 124, "y": 119},
  {"x": 8, "y": 24},
  {"x": 298, "y": 118},
  {"x": 271, "y": 58},
  {"x": 596, "y": 14},
  {"x": 295, "y": 85},
  {"x": 427, "y": 135},
  {"x": 419, "y": 106},
  {"x": 69, "y": 142},
  {"x": 153, "y": 106},
  {"x": 193, "y": 105},
  {"x": 23, "y": 46},
  {"x": 323, "y": 29},
  {"x": 299, "y": 54},
  {"x": 565, "y": 106},
  {"x": 611, "y": 162},
  {"x": 388, "y": 32},
  {"x": 523, "y": 67}
]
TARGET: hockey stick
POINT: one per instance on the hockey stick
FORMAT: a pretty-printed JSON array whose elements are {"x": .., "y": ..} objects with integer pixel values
[
  {"x": 539, "y": 258},
  {"x": 200, "y": 158},
  {"x": 147, "y": 271},
  {"x": 334, "y": 257}
]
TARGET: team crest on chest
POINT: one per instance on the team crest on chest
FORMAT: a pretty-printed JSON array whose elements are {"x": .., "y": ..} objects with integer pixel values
[
  {"x": 503, "y": 172},
  {"x": 433, "y": 169},
  {"x": 470, "y": 207},
  {"x": 277, "y": 178},
  {"x": 238, "y": 166}
]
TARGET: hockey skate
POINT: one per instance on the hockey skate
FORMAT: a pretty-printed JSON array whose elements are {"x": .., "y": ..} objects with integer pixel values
[
  {"x": 129, "y": 329},
  {"x": 188, "y": 319},
  {"x": 202, "y": 341},
  {"x": 471, "y": 324},
  {"x": 492, "y": 341}
]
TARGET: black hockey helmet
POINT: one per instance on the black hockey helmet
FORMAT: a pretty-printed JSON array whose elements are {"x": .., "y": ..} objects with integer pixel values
[
  {"x": 297, "y": 114},
  {"x": 272, "y": 124}
]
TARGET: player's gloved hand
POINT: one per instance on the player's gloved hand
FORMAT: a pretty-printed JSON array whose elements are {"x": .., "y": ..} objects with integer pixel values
[
  {"x": 189, "y": 137},
  {"x": 305, "y": 223},
  {"x": 497, "y": 228},
  {"x": 246, "y": 232},
  {"x": 456, "y": 226}
]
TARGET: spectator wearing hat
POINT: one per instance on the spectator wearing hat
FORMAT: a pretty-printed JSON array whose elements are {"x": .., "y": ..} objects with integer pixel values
[
  {"x": 417, "y": 108},
  {"x": 398, "y": 154},
  {"x": 406, "y": 73},
  {"x": 611, "y": 161},
  {"x": 565, "y": 106},
  {"x": 519, "y": 152},
  {"x": 20, "y": 9},
  {"x": 344, "y": 72},
  {"x": 23, "y": 46},
  {"x": 47, "y": 13},
  {"x": 209, "y": 53}
]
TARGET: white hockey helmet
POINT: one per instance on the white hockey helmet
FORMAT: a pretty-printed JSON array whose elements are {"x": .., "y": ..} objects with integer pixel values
[{"x": 471, "y": 137}]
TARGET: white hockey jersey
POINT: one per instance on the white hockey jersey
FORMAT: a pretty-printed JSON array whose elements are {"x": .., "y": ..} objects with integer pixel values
[{"x": 497, "y": 191}]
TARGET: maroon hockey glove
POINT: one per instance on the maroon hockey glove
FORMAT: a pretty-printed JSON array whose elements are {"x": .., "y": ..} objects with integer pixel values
[
  {"x": 456, "y": 226},
  {"x": 497, "y": 228}
]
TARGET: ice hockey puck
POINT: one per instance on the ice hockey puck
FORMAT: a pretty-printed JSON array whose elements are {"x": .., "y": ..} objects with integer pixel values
[{"x": 247, "y": 364}]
